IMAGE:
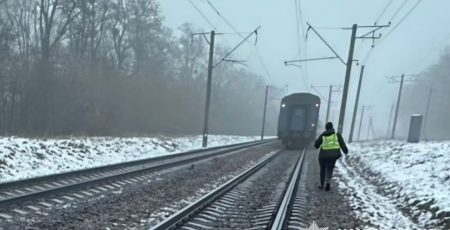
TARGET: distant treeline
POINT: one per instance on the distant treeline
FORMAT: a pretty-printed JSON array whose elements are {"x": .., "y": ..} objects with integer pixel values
[
  {"x": 111, "y": 67},
  {"x": 415, "y": 99}
]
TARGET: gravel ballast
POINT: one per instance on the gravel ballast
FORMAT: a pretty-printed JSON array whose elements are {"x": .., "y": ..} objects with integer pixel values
[
  {"x": 143, "y": 205},
  {"x": 252, "y": 203},
  {"x": 327, "y": 208}
]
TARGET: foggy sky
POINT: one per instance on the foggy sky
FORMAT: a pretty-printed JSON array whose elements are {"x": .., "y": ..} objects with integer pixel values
[{"x": 411, "y": 48}]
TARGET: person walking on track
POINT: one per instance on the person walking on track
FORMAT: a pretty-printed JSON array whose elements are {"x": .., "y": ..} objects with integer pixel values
[{"x": 330, "y": 144}]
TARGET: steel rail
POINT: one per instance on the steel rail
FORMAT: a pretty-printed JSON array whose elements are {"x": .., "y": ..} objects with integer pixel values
[
  {"x": 288, "y": 198},
  {"x": 159, "y": 163},
  {"x": 184, "y": 214}
]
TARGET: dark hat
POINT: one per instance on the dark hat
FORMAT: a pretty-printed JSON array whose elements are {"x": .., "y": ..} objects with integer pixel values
[{"x": 329, "y": 125}]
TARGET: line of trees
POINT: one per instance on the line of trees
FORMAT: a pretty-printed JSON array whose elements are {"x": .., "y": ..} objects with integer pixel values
[
  {"x": 437, "y": 78},
  {"x": 111, "y": 67}
]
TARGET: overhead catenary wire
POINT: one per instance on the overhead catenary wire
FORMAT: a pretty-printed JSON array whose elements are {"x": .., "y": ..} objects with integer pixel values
[
  {"x": 202, "y": 14},
  {"x": 326, "y": 43},
  {"x": 398, "y": 10},
  {"x": 320, "y": 94},
  {"x": 260, "y": 59},
  {"x": 262, "y": 63},
  {"x": 401, "y": 20},
  {"x": 299, "y": 28},
  {"x": 284, "y": 88},
  {"x": 223, "y": 18},
  {"x": 237, "y": 46},
  {"x": 212, "y": 25},
  {"x": 297, "y": 21},
  {"x": 384, "y": 10},
  {"x": 404, "y": 17},
  {"x": 366, "y": 58}
]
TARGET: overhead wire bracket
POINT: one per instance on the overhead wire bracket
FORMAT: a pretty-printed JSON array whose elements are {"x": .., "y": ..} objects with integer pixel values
[
  {"x": 237, "y": 46},
  {"x": 324, "y": 41}
]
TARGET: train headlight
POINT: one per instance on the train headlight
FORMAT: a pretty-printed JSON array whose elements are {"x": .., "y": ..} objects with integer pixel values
[
  {"x": 283, "y": 105},
  {"x": 317, "y": 105}
]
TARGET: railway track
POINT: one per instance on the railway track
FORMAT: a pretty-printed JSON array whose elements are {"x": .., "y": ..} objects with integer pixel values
[
  {"x": 17, "y": 197},
  {"x": 265, "y": 196}
]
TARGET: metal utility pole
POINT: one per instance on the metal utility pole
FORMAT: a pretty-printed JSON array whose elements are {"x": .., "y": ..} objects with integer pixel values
[
  {"x": 368, "y": 35},
  {"x": 390, "y": 121},
  {"x": 369, "y": 128},
  {"x": 426, "y": 111},
  {"x": 347, "y": 79},
  {"x": 329, "y": 104},
  {"x": 208, "y": 89},
  {"x": 264, "y": 113},
  {"x": 211, "y": 66},
  {"x": 332, "y": 89},
  {"x": 372, "y": 128},
  {"x": 398, "y": 106},
  {"x": 355, "y": 110},
  {"x": 360, "y": 122}
]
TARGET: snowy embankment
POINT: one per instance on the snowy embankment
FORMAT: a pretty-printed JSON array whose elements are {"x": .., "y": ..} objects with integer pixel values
[
  {"x": 24, "y": 157},
  {"x": 398, "y": 184}
]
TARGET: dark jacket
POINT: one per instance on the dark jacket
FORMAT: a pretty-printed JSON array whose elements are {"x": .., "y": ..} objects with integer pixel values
[{"x": 334, "y": 153}]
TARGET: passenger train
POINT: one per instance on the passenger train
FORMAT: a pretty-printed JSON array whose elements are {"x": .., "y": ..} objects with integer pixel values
[{"x": 297, "y": 122}]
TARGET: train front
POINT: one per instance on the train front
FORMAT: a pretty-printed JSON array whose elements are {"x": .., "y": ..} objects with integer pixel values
[{"x": 297, "y": 123}]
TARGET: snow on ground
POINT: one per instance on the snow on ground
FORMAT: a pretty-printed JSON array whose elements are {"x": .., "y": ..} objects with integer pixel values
[
  {"x": 25, "y": 157},
  {"x": 393, "y": 184}
]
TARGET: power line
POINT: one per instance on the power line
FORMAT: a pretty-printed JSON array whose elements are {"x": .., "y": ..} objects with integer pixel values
[
  {"x": 202, "y": 14},
  {"x": 398, "y": 10},
  {"x": 326, "y": 43},
  {"x": 301, "y": 17},
  {"x": 260, "y": 59},
  {"x": 401, "y": 20},
  {"x": 305, "y": 51},
  {"x": 237, "y": 46},
  {"x": 224, "y": 19},
  {"x": 384, "y": 10},
  {"x": 297, "y": 27},
  {"x": 227, "y": 22},
  {"x": 320, "y": 94},
  {"x": 395, "y": 27}
]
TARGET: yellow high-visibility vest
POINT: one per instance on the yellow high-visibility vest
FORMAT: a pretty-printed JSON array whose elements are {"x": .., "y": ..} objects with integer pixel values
[{"x": 330, "y": 142}]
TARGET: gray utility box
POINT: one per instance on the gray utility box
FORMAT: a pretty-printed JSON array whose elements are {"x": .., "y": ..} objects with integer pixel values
[{"x": 415, "y": 127}]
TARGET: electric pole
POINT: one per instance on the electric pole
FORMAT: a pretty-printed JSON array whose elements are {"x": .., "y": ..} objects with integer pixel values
[
  {"x": 426, "y": 111},
  {"x": 398, "y": 106},
  {"x": 355, "y": 110},
  {"x": 373, "y": 128},
  {"x": 347, "y": 79},
  {"x": 360, "y": 122},
  {"x": 368, "y": 35},
  {"x": 332, "y": 89},
  {"x": 390, "y": 121},
  {"x": 369, "y": 128},
  {"x": 208, "y": 90},
  {"x": 402, "y": 80},
  {"x": 329, "y": 104},
  {"x": 264, "y": 113},
  {"x": 211, "y": 66}
]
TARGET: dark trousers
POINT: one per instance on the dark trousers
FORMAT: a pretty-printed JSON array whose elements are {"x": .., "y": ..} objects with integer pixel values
[{"x": 326, "y": 169}]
